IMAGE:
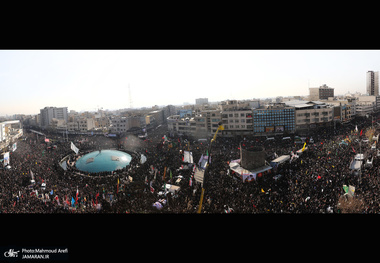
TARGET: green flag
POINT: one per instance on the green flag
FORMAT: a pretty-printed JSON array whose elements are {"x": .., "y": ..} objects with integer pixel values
[
  {"x": 345, "y": 188},
  {"x": 170, "y": 174}
]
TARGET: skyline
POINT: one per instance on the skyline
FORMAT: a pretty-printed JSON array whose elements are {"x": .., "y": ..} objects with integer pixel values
[{"x": 87, "y": 79}]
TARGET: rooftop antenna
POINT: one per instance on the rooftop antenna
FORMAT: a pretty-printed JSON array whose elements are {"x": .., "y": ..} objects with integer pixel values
[{"x": 130, "y": 97}]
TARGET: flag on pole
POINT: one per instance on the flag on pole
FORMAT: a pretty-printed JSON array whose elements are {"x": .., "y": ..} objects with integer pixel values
[
  {"x": 361, "y": 132},
  {"x": 96, "y": 199},
  {"x": 117, "y": 190},
  {"x": 72, "y": 201},
  {"x": 303, "y": 148},
  {"x": 74, "y": 148},
  {"x": 57, "y": 199},
  {"x": 151, "y": 187},
  {"x": 76, "y": 197}
]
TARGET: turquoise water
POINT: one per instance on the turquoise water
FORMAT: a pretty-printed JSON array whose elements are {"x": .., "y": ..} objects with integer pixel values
[{"x": 105, "y": 161}]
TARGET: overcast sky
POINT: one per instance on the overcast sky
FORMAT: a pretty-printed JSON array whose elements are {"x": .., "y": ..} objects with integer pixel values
[{"x": 86, "y": 79}]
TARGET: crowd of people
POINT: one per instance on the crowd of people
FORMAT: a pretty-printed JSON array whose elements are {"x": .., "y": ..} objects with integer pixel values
[{"x": 312, "y": 183}]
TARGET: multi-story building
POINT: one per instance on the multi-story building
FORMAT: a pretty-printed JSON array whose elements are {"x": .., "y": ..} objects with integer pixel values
[
  {"x": 274, "y": 118},
  {"x": 311, "y": 114},
  {"x": 86, "y": 124},
  {"x": 10, "y": 131},
  {"x": 321, "y": 93},
  {"x": 343, "y": 109},
  {"x": 237, "y": 122},
  {"x": 201, "y": 101},
  {"x": 364, "y": 108},
  {"x": 48, "y": 113},
  {"x": 207, "y": 122},
  {"x": 123, "y": 124},
  {"x": 373, "y": 83},
  {"x": 185, "y": 125},
  {"x": 73, "y": 126},
  {"x": 185, "y": 113},
  {"x": 102, "y": 123},
  {"x": 158, "y": 116}
]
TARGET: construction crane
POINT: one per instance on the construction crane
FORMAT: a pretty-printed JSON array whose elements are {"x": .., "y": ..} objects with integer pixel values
[{"x": 220, "y": 128}]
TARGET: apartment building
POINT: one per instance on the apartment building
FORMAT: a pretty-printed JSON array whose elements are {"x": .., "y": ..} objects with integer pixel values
[
  {"x": 181, "y": 125},
  {"x": 237, "y": 122},
  {"x": 321, "y": 93},
  {"x": 123, "y": 124},
  {"x": 48, "y": 113},
  {"x": 207, "y": 122},
  {"x": 311, "y": 114},
  {"x": 372, "y": 83}
]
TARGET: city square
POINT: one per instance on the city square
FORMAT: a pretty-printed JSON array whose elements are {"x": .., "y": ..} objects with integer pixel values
[{"x": 270, "y": 143}]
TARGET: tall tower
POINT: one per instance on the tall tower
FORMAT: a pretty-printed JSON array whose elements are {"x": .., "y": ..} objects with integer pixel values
[
  {"x": 130, "y": 97},
  {"x": 373, "y": 83}
]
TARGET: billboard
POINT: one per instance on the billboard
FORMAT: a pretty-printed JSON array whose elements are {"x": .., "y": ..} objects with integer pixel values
[
  {"x": 280, "y": 128},
  {"x": 269, "y": 129}
]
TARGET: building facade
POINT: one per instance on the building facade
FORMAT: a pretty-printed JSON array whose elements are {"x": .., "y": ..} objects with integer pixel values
[
  {"x": 123, "y": 124},
  {"x": 311, "y": 114},
  {"x": 274, "y": 118},
  {"x": 10, "y": 131},
  {"x": 321, "y": 93},
  {"x": 237, "y": 122},
  {"x": 48, "y": 113},
  {"x": 181, "y": 125},
  {"x": 201, "y": 101},
  {"x": 373, "y": 83},
  {"x": 207, "y": 122}
]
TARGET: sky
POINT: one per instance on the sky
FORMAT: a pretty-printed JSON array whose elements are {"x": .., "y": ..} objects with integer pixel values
[{"x": 85, "y": 80}]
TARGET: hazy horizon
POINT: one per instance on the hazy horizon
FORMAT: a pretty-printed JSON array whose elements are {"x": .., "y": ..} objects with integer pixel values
[{"x": 87, "y": 79}]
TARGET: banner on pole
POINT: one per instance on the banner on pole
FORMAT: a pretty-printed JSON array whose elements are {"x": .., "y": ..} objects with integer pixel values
[
  {"x": 188, "y": 157},
  {"x": 74, "y": 148}
]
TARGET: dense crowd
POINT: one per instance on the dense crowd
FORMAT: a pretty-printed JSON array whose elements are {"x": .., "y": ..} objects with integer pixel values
[{"x": 312, "y": 183}]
